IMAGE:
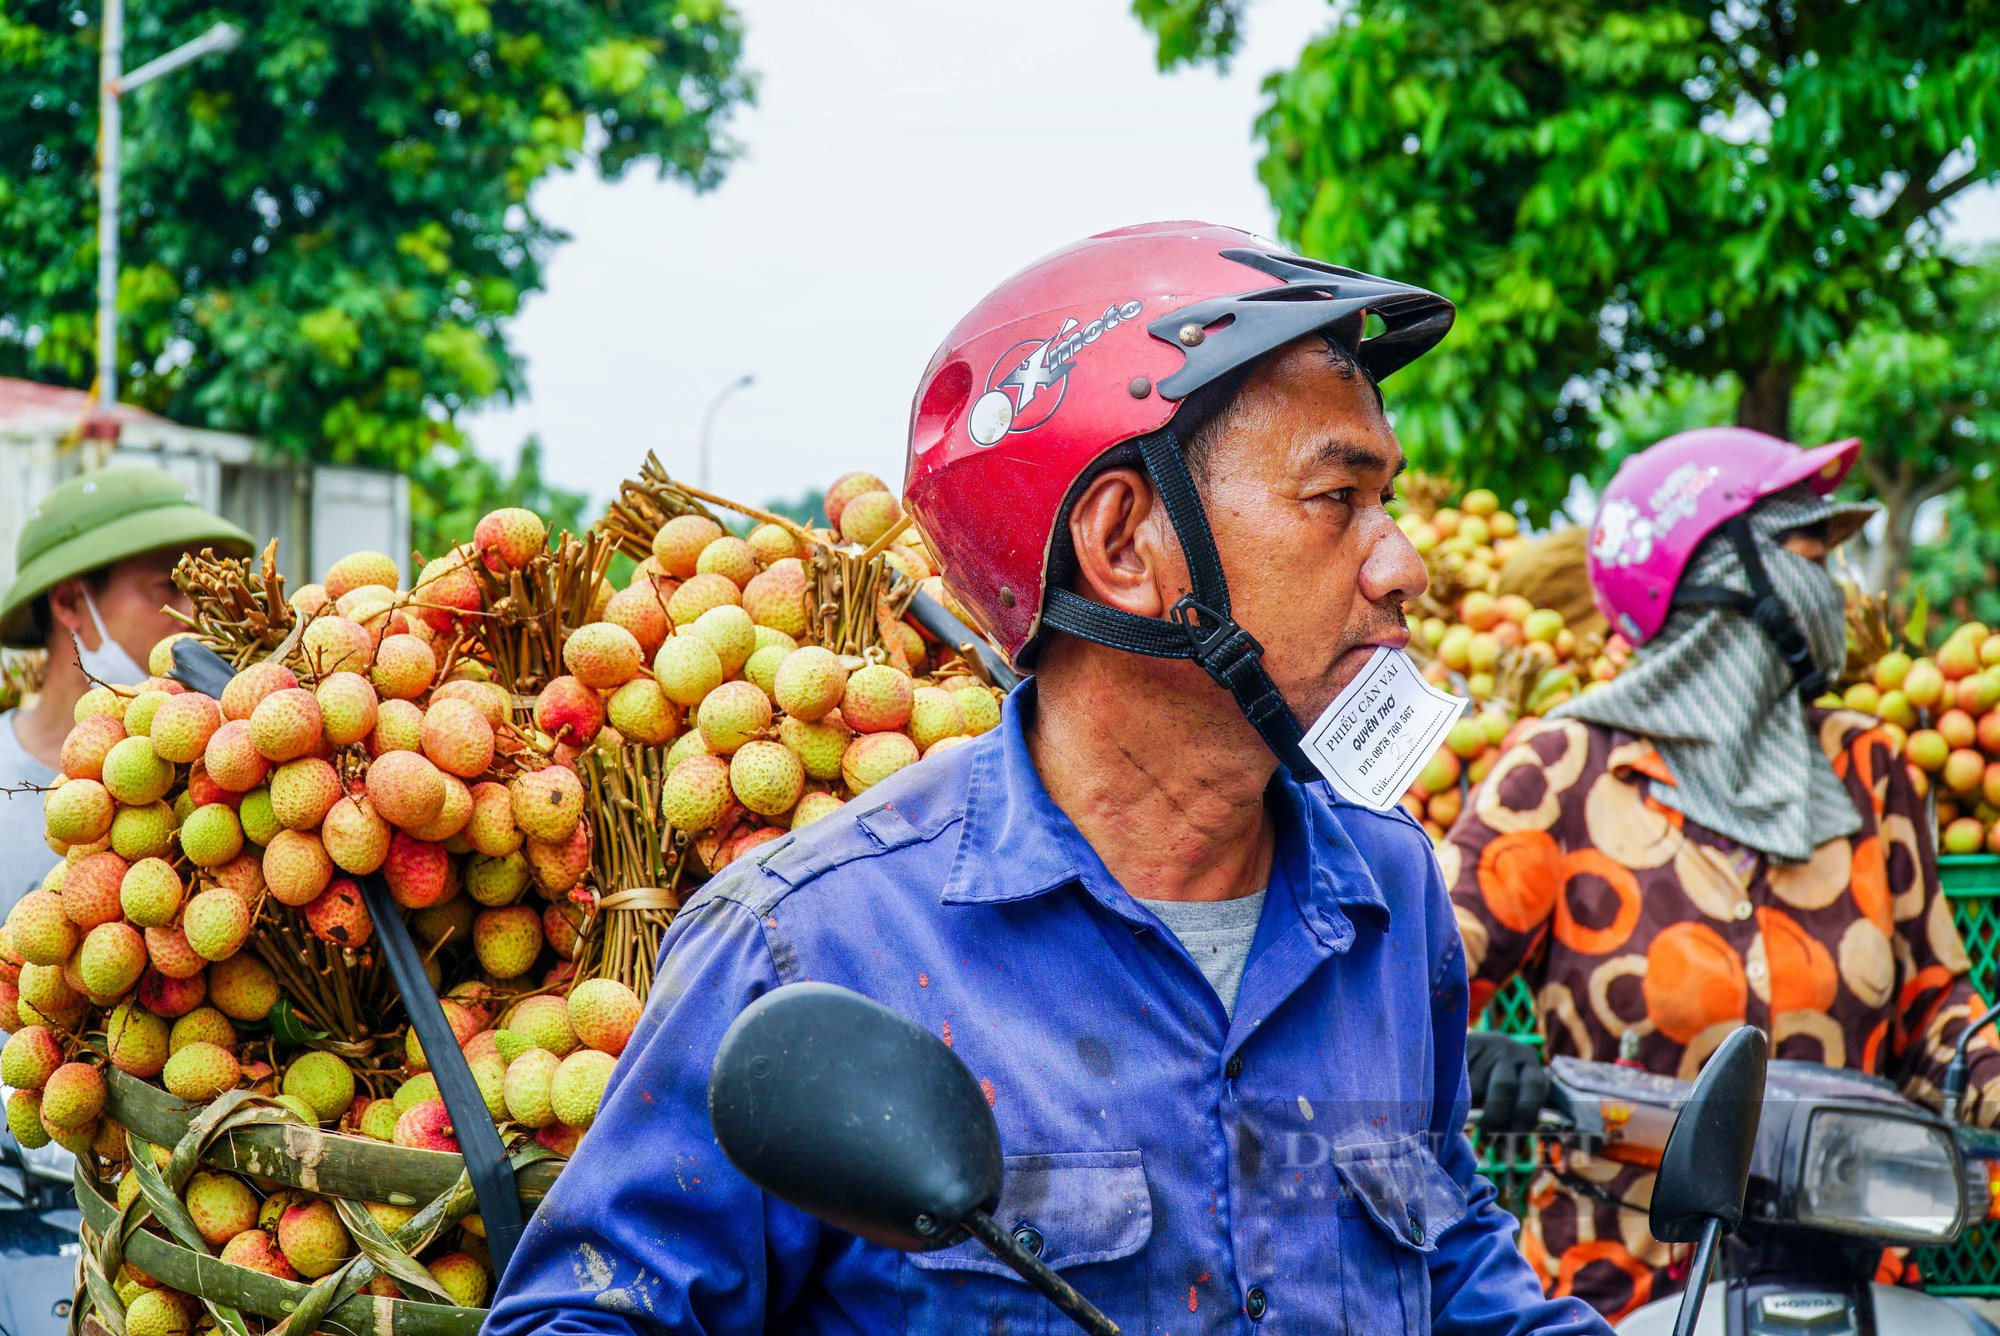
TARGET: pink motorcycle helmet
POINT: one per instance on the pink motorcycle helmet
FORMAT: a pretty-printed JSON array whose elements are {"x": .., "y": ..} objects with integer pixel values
[{"x": 1668, "y": 497}]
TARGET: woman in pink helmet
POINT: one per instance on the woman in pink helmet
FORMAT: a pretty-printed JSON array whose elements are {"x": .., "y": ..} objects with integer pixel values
[{"x": 1696, "y": 845}]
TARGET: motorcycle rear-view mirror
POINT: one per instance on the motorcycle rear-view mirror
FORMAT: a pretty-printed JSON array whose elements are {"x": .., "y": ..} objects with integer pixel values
[
  {"x": 838, "y": 1106},
  {"x": 1698, "y": 1195}
]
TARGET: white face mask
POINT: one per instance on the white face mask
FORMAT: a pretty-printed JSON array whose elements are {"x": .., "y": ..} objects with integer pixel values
[{"x": 108, "y": 663}]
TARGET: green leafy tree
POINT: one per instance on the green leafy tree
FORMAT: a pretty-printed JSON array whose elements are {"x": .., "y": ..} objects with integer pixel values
[
  {"x": 1959, "y": 575},
  {"x": 452, "y": 486},
  {"x": 325, "y": 231},
  {"x": 1921, "y": 393},
  {"x": 1618, "y": 190}
]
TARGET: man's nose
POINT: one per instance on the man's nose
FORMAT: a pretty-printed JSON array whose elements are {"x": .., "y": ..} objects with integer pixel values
[{"x": 1392, "y": 571}]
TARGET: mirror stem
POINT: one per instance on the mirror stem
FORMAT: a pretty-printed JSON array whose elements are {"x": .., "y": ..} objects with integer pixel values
[
  {"x": 1704, "y": 1261},
  {"x": 1059, "y": 1291}
]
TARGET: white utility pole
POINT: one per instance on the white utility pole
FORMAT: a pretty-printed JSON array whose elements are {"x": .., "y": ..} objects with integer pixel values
[
  {"x": 113, "y": 82},
  {"x": 743, "y": 381}
]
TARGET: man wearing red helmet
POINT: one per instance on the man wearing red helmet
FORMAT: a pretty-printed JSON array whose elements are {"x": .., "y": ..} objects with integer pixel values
[
  {"x": 1219, "y": 1012},
  {"x": 1694, "y": 846}
]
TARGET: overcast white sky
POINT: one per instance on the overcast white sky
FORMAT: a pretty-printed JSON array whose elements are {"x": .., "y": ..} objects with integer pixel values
[
  {"x": 893, "y": 171},
  {"x": 895, "y": 168}
]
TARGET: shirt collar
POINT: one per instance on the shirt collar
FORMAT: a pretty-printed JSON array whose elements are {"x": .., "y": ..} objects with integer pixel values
[{"x": 1015, "y": 843}]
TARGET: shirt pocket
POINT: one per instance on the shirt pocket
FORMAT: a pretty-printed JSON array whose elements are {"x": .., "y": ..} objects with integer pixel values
[
  {"x": 1088, "y": 1215},
  {"x": 1395, "y": 1202}
]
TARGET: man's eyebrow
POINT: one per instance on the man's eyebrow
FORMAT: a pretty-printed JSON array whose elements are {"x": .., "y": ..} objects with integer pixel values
[{"x": 1357, "y": 458}]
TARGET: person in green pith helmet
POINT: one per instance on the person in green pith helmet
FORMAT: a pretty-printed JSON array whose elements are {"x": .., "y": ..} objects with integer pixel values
[{"x": 94, "y": 579}]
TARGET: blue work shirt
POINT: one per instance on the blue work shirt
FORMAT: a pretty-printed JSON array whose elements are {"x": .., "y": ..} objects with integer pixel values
[{"x": 1300, "y": 1169}]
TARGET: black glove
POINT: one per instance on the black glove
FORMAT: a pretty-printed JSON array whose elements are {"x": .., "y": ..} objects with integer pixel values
[{"x": 1509, "y": 1083}]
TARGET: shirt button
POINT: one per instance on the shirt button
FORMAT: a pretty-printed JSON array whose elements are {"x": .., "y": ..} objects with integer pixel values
[
  {"x": 1416, "y": 1229},
  {"x": 1255, "y": 1304},
  {"x": 1029, "y": 1238},
  {"x": 1234, "y": 1067},
  {"x": 1743, "y": 909}
]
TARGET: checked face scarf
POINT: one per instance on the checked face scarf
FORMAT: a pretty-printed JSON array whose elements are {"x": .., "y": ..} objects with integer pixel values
[{"x": 1713, "y": 696}]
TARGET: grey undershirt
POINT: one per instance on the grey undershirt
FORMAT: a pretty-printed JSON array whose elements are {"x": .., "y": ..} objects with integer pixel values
[{"x": 1217, "y": 933}]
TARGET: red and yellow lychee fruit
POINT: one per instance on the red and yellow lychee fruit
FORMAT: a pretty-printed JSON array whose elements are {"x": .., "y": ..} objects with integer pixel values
[
  {"x": 232, "y": 760},
  {"x": 687, "y": 669},
  {"x": 39, "y": 930},
  {"x": 83, "y": 751},
  {"x": 559, "y": 865},
  {"x": 182, "y": 725},
  {"x": 170, "y": 998},
  {"x": 877, "y": 699},
  {"x": 111, "y": 959},
  {"x": 338, "y": 917},
  {"x": 312, "y": 1238},
  {"x": 699, "y": 594},
  {"x": 135, "y": 1040},
  {"x": 820, "y": 743},
  {"x": 697, "y": 793},
  {"x": 845, "y": 488},
  {"x": 873, "y": 757},
  {"x": 303, "y": 792},
  {"x": 507, "y": 940},
  {"x": 777, "y": 597},
  {"x": 773, "y": 543},
  {"x": 143, "y": 831},
  {"x": 251, "y": 685},
  {"x": 135, "y": 774},
  {"x": 729, "y": 557},
  {"x": 978, "y": 708},
  {"x": 810, "y": 682},
  {"x": 150, "y": 893},
  {"x": 578, "y": 1087},
  {"x": 641, "y": 712},
  {"x": 543, "y": 1020},
  {"x": 457, "y": 738},
  {"x": 32, "y": 1055},
  {"x": 358, "y": 569},
  {"x": 398, "y": 727},
  {"x": 868, "y": 516},
  {"x": 404, "y": 668},
  {"x": 242, "y": 988},
  {"x": 569, "y": 711},
  {"x": 460, "y": 1276},
  {"x": 79, "y": 811},
  {"x": 256, "y": 1250},
  {"x": 426, "y": 1125},
  {"x": 418, "y": 871},
  {"x": 509, "y": 538},
  {"x": 203, "y": 1025},
  {"x": 335, "y": 644},
  {"x": 445, "y": 591},
  {"x": 767, "y": 777},
  {"x": 730, "y": 632},
  {"x": 221, "y": 1206},
  {"x": 733, "y": 714},
  {"x": 297, "y": 867},
  {"x": 323, "y": 1081},
  {"x": 355, "y": 837},
  {"x": 90, "y": 895},
  {"x": 814, "y": 806},
  {"x": 491, "y": 829},
  {"x": 679, "y": 543},
  {"x": 72, "y": 1096},
  {"x": 603, "y": 1013},
  {"x": 216, "y": 923},
  {"x": 603, "y": 655},
  {"x": 286, "y": 725},
  {"x": 200, "y": 1072},
  {"x": 405, "y": 787},
  {"x": 547, "y": 803},
  {"x": 642, "y": 610}
]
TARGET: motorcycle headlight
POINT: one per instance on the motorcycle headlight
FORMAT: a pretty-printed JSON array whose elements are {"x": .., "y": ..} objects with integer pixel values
[{"x": 1885, "y": 1178}]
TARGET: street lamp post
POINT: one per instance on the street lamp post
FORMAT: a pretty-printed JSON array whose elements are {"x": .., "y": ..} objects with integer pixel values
[
  {"x": 743, "y": 381},
  {"x": 113, "y": 83}
]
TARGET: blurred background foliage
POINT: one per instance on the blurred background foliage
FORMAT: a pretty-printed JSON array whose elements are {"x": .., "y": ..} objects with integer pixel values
[
  {"x": 1655, "y": 214},
  {"x": 325, "y": 238}
]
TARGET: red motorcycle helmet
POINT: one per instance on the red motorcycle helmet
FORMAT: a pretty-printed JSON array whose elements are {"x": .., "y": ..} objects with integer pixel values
[{"x": 1097, "y": 345}]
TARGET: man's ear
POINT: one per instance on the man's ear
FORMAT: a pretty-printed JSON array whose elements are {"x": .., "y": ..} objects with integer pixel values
[
  {"x": 1125, "y": 554},
  {"x": 66, "y": 611}
]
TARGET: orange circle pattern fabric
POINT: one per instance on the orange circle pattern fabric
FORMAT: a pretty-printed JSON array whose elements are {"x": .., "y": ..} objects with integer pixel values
[{"x": 1631, "y": 924}]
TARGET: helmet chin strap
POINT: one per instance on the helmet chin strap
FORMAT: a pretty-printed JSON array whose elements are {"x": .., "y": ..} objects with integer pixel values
[
  {"x": 1762, "y": 606},
  {"x": 1198, "y": 626}
]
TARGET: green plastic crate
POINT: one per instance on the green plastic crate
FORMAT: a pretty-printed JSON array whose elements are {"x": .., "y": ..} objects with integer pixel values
[{"x": 1971, "y": 1267}]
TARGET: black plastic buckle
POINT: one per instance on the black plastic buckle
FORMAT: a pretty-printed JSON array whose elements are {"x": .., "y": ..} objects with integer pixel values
[{"x": 1221, "y": 647}]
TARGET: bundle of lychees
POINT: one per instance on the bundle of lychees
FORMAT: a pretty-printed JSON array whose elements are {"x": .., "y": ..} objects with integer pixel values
[{"x": 538, "y": 766}]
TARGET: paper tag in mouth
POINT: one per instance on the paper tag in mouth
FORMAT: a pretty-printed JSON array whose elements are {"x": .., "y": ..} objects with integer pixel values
[{"x": 1379, "y": 731}]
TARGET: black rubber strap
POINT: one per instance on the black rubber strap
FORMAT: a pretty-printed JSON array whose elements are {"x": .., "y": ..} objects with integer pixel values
[
  {"x": 201, "y": 669},
  {"x": 1200, "y": 628},
  {"x": 1763, "y": 606},
  {"x": 478, "y": 1140}
]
